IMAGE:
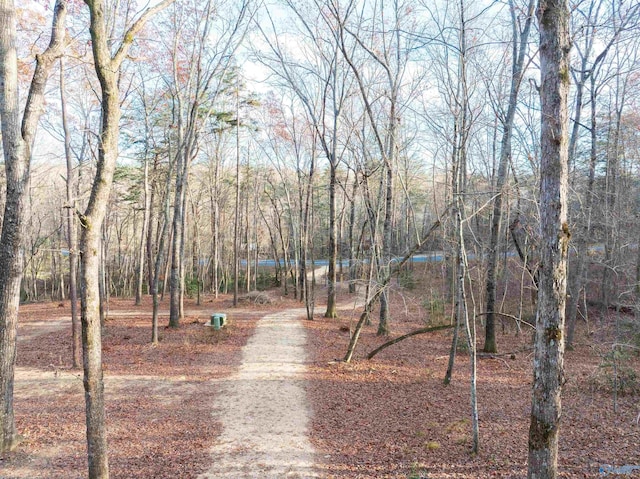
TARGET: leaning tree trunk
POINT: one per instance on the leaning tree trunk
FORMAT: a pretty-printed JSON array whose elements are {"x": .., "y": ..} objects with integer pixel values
[
  {"x": 17, "y": 141},
  {"x": 548, "y": 371}
]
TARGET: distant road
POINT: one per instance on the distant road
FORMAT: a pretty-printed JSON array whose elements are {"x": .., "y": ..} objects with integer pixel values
[
  {"x": 436, "y": 256},
  {"x": 433, "y": 257}
]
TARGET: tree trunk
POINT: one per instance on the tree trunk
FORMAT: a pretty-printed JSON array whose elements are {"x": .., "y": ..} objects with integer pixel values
[
  {"x": 91, "y": 248},
  {"x": 236, "y": 222},
  {"x": 162, "y": 240},
  {"x": 143, "y": 234},
  {"x": 352, "y": 247},
  {"x": 383, "y": 324},
  {"x": 107, "y": 69},
  {"x": 72, "y": 231},
  {"x": 548, "y": 371},
  {"x": 577, "y": 283},
  {"x": 177, "y": 241},
  {"x": 331, "y": 311},
  {"x": 17, "y": 141},
  {"x": 520, "y": 47},
  {"x": 149, "y": 240}
]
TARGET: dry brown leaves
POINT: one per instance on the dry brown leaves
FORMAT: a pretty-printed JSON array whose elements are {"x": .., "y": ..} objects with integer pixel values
[
  {"x": 392, "y": 417},
  {"x": 387, "y": 418},
  {"x": 158, "y": 398}
]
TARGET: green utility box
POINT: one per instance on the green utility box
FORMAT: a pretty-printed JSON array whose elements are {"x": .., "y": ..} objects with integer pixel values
[{"x": 218, "y": 320}]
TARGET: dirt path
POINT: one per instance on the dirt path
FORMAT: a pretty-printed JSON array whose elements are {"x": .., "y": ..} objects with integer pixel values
[{"x": 263, "y": 407}]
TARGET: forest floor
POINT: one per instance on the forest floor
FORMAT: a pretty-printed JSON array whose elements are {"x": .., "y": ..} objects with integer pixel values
[{"x": 172, "y": 409}]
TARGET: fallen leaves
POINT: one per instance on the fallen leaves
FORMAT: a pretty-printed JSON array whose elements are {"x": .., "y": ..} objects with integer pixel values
[{"x": 392, "y": 417}]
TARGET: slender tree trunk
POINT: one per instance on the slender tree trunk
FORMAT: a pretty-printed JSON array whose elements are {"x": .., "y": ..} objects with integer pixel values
[
  {"x": 331, "y": 311},
  {"x": 246, "y": 232},
  {"x": 548, "y": 373},
  {"x": 184, "y": 228},
  {"x": 352, "y": 248},
  {"x": 236, "y": 223},
  {"x": 143, "y": 234},
  {"x": 215, "y": 226},
  {"x": 383, "y": 325},
  {"x": 72, "y": 231},
  {"x": 150, "y": 233},
  {"x": 177, "y": 233},
  {"x": 520, "y": 47},
  {"x": 17, "y": 142},
  {"x": 458, "y": 187},
  {"x": 307, "y": 286},
  {"x": 107, "y": 70},
  {"x": 579, "y": 276},
  {"x": 160, "y": 255},
  {"x": 463, "y": 313}
]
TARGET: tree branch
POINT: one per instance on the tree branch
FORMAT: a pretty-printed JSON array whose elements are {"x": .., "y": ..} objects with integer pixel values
[
  {"x": 44, "y": 61},
  {"x": 408, "y": 335},
  {"x": 134, "y": 30}
]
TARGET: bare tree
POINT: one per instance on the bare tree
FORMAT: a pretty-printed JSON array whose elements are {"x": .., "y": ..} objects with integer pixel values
[
  {"x": 548, "y": 369},
  {"x": 72, "y": 227},
  {"x": 107, "y": 66},
  {"x": 322, "y": 85},
  {"x": 593, "y": 15},
  {"x": 193, "y": 93},
  {"x": 17, "y": 142},
  {"x": 520, "y": 46},
  {"x": 387, "y": 46}
]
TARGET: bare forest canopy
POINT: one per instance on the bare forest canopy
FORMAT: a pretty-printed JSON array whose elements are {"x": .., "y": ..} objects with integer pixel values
[{"x": 339, "y": 127}]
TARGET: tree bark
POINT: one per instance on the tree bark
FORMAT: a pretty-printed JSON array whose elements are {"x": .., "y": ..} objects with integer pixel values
[
  {"x": 236, "y": 218},
  {"x": 107, "y": 69},
  {"x": 548, "y": 365},
  {"x": 160, "y": 254},
  {"x": 17, "y": 142},
  {"x": 352, "y": 246},
  {"x": 177, "y": 238}
]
